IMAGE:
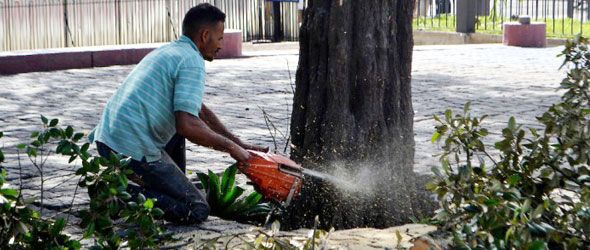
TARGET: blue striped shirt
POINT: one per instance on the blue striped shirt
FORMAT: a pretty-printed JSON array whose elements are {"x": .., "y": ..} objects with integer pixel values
[{"x": 138, "y": 120}]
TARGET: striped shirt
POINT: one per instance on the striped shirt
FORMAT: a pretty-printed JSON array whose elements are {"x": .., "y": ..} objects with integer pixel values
[{"x": 138, "y": 120}]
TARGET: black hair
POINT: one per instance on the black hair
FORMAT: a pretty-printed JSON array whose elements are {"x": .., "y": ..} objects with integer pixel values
[{"x": 199, "y": 16}]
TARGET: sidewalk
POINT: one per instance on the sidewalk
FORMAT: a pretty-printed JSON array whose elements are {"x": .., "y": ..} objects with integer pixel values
[{"x": 499, "y": 81}]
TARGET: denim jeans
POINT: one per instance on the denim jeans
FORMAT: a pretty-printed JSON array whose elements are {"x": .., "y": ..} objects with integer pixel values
[{"x": 165, "y": 181}]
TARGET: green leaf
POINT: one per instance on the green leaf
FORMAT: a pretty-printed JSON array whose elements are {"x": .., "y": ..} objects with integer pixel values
[
  {"x": 1, "y": 156},
  {"x": 538, "y": 245},
  {"x": 546, "y": 227},
  {"x": 89, "y": 230},
  {"x": 431, "y": 186},
  {"x": 227, "y": 185},
  {"x": 512, "y": 123},
  {"x": 213, "y": 194},
  {"x": 44, "y": 119},
  {"x": 149, "y": 204},
  {"x": 157, "y": 212},
  {"x": 435, "y": 137},
  {"x": 204, "y": 178},
  {"x": 466, "y": 107},
  {"x": 503, "y": 145},
  {"x": 10, "y": 193},
  {"x": 124, "y": 195},
  {"x": 140, "y": 198},
  {"x": 448, "y": 115},
  {"x": 85, "y": 147},
  {"x": 233, "y": 196},
  {"x": 436, "y": 171},
  {"x": 259, "y": 209},
  {"x": 514, "y": 179},
  {"x": 436, "y": 118},
  {"x": 35, "y": 134},
  {"x": 228, "y": 179},
  {"x": 69, "y": 131},
  {"x": 32, "y": 152},
  {"x": 58, "y": 226},
  {"x": 536, "y": 230},
  {"x": 492, "y": 202},
  {"x": 21, "y": 146},
  {"x": 252, "y": 200},
  {"x": 53, "y": 122},
  {"x": 132, "y": 204},
  {"x": 78, "y": 136}
]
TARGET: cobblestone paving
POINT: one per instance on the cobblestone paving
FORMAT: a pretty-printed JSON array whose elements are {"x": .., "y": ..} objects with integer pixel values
[{"x": 499, "y": 81}]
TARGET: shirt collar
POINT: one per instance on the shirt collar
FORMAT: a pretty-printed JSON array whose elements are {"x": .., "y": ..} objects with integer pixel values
[{"x": 186, "y": 39}]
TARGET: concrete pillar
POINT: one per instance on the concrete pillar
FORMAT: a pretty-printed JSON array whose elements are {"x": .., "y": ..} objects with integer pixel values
[{"x": 466, "y": 16}]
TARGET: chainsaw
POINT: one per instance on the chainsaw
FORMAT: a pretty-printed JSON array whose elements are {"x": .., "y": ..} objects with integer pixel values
[{"x": 279, "y": 178}]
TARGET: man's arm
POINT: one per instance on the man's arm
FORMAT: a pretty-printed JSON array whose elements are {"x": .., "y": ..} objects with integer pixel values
[
  {"x": 197, "y": 131},
  {"x": 215, "y": 124}
]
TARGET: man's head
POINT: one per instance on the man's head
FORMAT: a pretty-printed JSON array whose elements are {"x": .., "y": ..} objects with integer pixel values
[{"x": 204, "y": 25}]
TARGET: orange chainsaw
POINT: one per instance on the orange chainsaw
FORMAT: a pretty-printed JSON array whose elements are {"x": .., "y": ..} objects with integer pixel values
[
  {"x": 275, "y": 176},
  {"x": 279, "y": 178}
]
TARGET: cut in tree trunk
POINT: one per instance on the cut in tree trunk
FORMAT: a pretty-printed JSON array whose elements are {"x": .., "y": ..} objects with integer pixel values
[{"x": 353, "y": 116}]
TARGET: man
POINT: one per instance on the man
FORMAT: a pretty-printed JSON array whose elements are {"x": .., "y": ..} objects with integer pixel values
[{"x": 160, "y": 104}]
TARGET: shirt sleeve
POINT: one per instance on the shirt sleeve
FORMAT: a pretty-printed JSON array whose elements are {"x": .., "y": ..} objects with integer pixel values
[{"x": 189, "y": 89}]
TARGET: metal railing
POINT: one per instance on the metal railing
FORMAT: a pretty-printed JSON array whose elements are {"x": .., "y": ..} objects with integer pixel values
[
  {"x": 37, "y": 24},
  {"x": 562, "y": 17}
]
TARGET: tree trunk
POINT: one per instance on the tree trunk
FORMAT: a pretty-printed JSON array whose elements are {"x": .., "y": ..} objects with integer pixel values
[{"x": 353, "y": 116}]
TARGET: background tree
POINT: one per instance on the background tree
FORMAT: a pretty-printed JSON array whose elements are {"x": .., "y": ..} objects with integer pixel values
[{"x": 353, "y": 114}]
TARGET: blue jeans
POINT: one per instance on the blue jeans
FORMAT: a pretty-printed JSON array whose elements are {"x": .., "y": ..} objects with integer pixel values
[{"x": 166, "y": 182}]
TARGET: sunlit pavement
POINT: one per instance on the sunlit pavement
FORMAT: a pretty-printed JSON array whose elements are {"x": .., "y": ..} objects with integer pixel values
[{"x": 499, "y": 81}]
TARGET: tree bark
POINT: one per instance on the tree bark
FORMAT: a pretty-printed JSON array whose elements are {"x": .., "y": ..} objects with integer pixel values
[{"x": 353, "y": 116}]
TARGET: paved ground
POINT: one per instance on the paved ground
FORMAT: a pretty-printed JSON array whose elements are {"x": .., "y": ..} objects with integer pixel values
[{"x": 500, "y": 81}]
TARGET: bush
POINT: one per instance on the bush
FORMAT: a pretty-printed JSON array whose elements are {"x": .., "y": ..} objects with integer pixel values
[
  {"x": 22, "y": 227},
  {"x": 106, "y": 181},
  {"x": 226, "y": 200},
  {"x": 536, "y": 194}
]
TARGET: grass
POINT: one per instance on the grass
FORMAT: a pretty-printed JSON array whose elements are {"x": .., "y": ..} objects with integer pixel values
[{"x": 556, "y": 28}]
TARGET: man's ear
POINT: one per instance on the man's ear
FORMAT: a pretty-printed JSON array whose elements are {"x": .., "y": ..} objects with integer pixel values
[{"x": 204, "y": 35}]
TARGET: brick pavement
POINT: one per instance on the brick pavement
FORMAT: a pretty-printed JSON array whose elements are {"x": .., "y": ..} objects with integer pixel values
[{"x": 500, "y": 81}]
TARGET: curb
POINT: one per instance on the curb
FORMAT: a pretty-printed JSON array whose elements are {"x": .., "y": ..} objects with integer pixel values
[
  {"x": 422, "y": 37},
  {"x": 71, "y": 58}
]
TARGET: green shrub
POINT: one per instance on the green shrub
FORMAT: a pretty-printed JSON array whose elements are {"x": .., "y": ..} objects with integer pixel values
[
  {"x": 224, "y": 198},
  {"x": 106, "y": 180},
  {"x": 22, "y": 227},
  {"x": 536, "y": 194}
]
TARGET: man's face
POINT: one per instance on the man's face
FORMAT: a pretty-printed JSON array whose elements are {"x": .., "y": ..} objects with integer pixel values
[{"x": 212, "y": 38}]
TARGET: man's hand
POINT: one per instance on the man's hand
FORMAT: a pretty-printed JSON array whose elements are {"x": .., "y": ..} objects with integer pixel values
[{"x": 239, "y": 154}]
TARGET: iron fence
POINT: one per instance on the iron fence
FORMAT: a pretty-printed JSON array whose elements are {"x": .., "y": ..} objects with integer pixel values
[
  {"x": 36, "y": 24},
  {"x": 563, "y": 17}
]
